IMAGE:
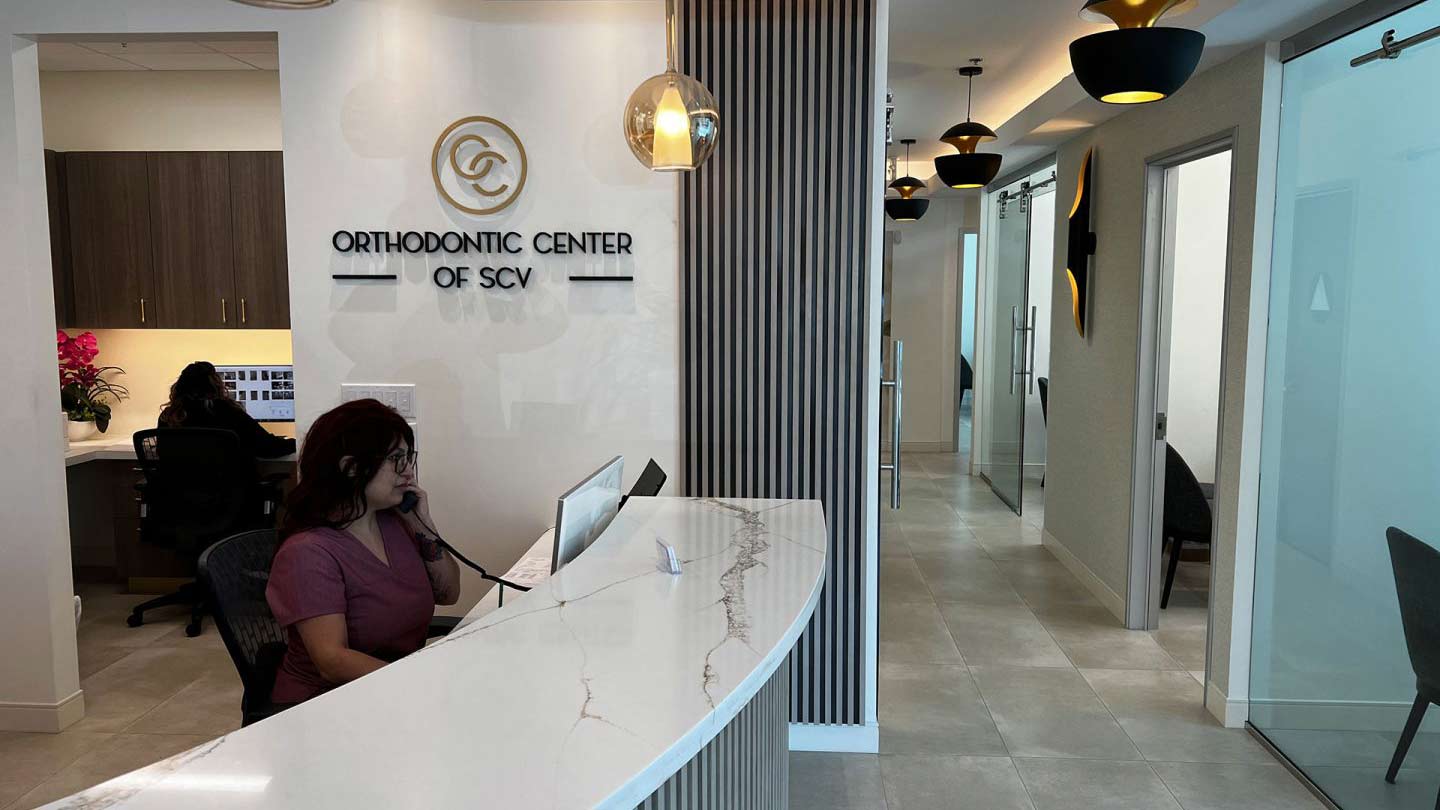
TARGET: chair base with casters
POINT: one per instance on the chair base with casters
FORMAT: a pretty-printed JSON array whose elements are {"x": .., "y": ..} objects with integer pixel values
[{"x": 190, "y": 594}]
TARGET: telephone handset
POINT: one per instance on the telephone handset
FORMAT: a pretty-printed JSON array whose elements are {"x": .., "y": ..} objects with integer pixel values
[{"x": 408, "y": 502}]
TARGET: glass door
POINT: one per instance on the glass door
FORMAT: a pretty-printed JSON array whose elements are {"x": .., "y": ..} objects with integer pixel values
[
  {"x": 1001, "y": 463},
  {"x": 1351, "y": 443}
]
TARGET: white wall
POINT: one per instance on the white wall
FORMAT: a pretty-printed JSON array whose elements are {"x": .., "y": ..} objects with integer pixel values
[
  {"x": 181, "y": 110},
  {"x": 1092, "y": 405},
  {"x": 926, "y": 272},
  {"x": 519, "y": 394},
  {"x": 1196, "y": 310}
]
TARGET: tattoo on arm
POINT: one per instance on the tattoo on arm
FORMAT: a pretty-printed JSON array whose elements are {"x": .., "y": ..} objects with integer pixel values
[{"x": 430, "y": 550}]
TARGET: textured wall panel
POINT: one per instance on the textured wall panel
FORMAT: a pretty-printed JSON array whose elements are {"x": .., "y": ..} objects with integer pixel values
[
  {"x": 774, "y": 271},
  {"x": 747, "y": 765}
]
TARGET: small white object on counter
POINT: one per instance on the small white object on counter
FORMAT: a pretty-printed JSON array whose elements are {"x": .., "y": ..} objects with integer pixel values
[{"x": 588, "y": 691}]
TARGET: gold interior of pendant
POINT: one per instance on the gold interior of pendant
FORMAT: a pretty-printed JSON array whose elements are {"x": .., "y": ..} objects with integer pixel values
[
  {"x": 906, "y": 191},
  {"x": 1136, "y": 13},
  {"x": 965, "y": 143}
]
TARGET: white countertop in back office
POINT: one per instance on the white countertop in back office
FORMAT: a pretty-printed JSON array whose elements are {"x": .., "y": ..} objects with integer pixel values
[
  {"x": 116, "y": 449},
  {"x": 588, "y": 691}
]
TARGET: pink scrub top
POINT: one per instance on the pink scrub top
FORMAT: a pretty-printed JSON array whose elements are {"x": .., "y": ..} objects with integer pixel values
[{"x": 320, "y": 571}]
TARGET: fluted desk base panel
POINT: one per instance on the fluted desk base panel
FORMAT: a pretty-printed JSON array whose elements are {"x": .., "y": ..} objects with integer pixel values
[{"x": 747, "y": 765}]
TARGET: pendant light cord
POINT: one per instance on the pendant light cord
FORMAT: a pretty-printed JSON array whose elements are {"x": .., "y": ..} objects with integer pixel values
[
  {"x": 670, "y": 35},
  {"x": 969, "y": 96}
]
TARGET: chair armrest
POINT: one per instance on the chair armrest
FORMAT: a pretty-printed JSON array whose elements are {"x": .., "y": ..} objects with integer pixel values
[{"x": 442, "y": 625}]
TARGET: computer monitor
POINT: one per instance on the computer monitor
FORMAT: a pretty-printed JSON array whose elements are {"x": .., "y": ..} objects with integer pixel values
[
  {"x": 266, "y": 392},
  {"x": 648, "y": 485},
  {"x": 584, "y": 512}
]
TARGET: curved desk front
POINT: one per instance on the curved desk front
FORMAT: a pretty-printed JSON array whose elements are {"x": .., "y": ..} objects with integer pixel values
[{"x": 611, "y": 684}]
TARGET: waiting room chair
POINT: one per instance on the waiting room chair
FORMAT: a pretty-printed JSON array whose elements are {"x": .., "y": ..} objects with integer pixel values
[
  {"x": 1416, "y": 566},
  {"x": 200, "y": 486},
  {"x": 234, "y": 573},
  {"x": 1187, "y": 514}
]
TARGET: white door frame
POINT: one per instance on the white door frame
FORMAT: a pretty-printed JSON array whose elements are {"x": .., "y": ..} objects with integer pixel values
[
  {"x": 961, "y": 306},
  {"x": 1147, "y": 487}
]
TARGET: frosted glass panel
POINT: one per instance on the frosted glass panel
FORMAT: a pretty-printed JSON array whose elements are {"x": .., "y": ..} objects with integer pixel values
[{"x": 1351, "y": 438}]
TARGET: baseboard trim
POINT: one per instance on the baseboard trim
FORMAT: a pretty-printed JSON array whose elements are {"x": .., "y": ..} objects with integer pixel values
[
  {"x": 1113, "y": 602},
  {"x": 1230, "y": 713},
  {"x": 47, "y": 718},
  {"x": 1352, "y": 715},
  {"x": 837, "y": 739}
]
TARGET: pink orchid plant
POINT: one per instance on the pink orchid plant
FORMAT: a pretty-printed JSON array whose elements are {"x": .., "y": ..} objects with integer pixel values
[{"x": 83, "y": 387}]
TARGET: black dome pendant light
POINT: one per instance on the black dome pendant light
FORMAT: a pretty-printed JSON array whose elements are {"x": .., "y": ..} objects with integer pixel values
[
  {"x": 906, "y": 207},
  {"x": 1137, "y": 63},
  {"x": 969, "y": 169}
]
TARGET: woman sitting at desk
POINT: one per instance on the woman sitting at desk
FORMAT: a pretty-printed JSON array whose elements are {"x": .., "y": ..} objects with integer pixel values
[
  {"x": 355, "y": 581},
  {"x": 198, "y": 399}
]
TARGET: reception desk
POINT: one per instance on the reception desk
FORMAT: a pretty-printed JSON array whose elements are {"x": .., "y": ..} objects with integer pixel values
[{"x": 610, "y": 684}]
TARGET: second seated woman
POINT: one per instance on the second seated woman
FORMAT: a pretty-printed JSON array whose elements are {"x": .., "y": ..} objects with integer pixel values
[
  {"x": 355, "y": 581},
  {"x": 198, "y": 399}
]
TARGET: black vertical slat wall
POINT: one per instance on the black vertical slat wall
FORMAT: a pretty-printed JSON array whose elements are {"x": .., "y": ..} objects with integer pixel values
[{"x": 775, "y": 240}]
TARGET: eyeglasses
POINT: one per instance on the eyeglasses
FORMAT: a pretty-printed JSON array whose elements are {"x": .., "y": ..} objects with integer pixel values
[{"x": 402, "y": 460}]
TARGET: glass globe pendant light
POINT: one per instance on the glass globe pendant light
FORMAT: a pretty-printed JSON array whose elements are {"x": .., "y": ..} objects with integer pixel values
[
  {"x": 671, "y": 121},
  {"x": 1137, "y": 63},
  {"x": 906, "y": 207},
  {"x": 968, "y": 169}
]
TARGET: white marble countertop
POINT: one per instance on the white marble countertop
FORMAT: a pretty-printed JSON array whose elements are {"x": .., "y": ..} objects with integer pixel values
[{"x": 588, "y": 691}]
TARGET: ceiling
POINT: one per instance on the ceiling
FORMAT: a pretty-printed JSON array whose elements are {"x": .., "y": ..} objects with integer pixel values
[
  {"x": 160, "y": 54},
  {"x": 1027, "y": 93}
]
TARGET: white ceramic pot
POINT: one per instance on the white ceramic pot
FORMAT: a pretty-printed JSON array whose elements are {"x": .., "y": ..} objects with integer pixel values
[{"x": 80, "y": 431}]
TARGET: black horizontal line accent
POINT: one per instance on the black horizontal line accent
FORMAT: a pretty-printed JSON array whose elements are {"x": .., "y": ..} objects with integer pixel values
[
  {"x": 602, "y": 278},
  {"x": 364, "y": 276}
]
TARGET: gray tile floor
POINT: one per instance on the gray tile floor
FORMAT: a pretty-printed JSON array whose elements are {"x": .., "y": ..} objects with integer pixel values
[
  {"x": 1005, "y": 684},
  {"x": 149, "y": 692}
]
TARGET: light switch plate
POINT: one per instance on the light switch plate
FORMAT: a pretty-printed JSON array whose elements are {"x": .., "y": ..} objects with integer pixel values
[{"x": 400, "y": 396}]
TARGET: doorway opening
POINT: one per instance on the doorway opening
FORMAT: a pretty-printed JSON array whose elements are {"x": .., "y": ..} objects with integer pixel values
[
  {"x": 1180, "y": 392},
  {"x": 969, "y": 259}
]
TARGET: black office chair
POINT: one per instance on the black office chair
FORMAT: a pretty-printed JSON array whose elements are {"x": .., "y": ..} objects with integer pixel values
[
  {"x": 967, "y": 380},
  {"x": 234, "y": 573},
  {"x": 1187, "y": 514},
  {"x": 648, "y": 485},
  {"x": 1044, "y": 383},
  {"x": 200, "y": 486},
  {"x": 1417, "y": 569}
]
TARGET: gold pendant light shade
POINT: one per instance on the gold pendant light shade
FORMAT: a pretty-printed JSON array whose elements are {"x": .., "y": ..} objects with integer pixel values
[{"x": 671, "y": 121}]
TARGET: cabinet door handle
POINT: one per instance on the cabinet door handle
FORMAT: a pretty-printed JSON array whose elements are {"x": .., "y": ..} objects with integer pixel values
[
  {"x": 242, "y": 310},
  {"x": 142, "y": 310},
  {"x": 224, "y": 316}
]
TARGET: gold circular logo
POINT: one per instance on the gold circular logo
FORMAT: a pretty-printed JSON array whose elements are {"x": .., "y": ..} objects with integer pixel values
[{"x": 480, "y": 161}]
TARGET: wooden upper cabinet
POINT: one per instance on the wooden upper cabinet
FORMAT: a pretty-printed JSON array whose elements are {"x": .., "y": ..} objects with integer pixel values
[
  {"x": 257, "y": 211},
  {"x": 190, "y": 227},
  {"x": 59, "y": 214},
  {"x": 110, "y": 239}
]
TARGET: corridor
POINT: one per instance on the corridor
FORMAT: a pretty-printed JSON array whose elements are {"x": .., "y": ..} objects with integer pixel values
[{"x": 1004, "y": 685}]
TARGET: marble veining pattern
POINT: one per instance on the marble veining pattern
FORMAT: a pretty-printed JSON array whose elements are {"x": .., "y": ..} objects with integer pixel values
[{"x": 587, "y": 691}]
